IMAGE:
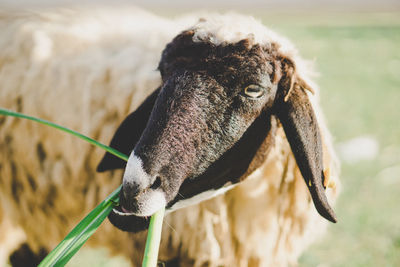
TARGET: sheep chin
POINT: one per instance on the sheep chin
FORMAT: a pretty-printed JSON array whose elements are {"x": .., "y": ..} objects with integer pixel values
[{"x": 128, "y": 222}]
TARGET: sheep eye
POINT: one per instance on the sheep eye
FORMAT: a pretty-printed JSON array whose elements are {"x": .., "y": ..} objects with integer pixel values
[{"x": 253, "y": 91}]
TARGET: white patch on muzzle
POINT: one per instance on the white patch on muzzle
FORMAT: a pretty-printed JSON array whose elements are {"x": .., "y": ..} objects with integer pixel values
[
  {"x": 149, "y": 201},
  {"x": 134, "y": 172}
]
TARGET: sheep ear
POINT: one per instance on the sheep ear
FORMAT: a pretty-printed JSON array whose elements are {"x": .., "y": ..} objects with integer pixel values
[
  {"x": 128, "y": 134},
  {"x": 299, "y": 122}
]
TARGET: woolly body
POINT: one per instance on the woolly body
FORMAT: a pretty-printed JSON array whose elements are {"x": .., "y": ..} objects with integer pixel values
[{"x": 86, "y": 69}]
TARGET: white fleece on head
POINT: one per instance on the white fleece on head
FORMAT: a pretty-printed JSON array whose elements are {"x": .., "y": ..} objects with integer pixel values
[{"x": 232, "y": 28}]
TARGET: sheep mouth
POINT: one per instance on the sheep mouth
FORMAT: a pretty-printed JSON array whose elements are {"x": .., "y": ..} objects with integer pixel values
[
  {"x": 133, "y": 215},
  {"x": 121, "y": 211},
  {"x": 126, "y": 220}
]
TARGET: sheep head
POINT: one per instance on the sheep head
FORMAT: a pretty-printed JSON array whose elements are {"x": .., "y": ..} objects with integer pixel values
[{"x": 210, "y": 124}]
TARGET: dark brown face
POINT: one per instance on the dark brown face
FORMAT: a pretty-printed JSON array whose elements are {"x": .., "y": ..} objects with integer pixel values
[{"x": 205, "y": 128}]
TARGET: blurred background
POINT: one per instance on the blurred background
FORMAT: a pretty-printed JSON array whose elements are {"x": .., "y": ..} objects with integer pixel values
[{"x": 355, "y": 46}]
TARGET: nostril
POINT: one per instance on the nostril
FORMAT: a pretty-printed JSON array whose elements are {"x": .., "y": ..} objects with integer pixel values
[
  {"x": 157, "y": 183},
  {"x": 130, "y": 189}
]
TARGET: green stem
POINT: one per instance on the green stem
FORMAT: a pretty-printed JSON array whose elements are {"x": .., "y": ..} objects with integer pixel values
[
  {"x": 62, "y": 128},
  {"x": 70, "y": 245},
  {"x": 64, "y": 251},
  {"x": 153, "y": 239}
]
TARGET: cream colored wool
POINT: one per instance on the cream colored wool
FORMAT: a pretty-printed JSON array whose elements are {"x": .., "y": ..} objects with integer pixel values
[{"x": 87, "y": 69}]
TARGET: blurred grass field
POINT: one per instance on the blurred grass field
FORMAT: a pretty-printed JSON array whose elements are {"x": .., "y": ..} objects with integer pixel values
[
  {"x": 359, "y": 65},
  {"x": 358, "y": 58}
]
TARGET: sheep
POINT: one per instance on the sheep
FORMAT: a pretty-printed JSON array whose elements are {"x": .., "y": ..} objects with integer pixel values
[{"x": 229, "y": 147}]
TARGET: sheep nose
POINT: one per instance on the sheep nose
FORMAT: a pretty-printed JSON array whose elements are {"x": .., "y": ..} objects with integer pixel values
[
  {"x": 131, "y": 189},
  {"x": 135, "y": 179}
]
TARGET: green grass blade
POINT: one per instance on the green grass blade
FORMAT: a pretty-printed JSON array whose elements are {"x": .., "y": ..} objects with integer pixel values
[
  {"x": 153, "y": 239},
  {"x": 64, "y": 129},
  {"x": 64, "y": 251},
  {"x": 78, "y": 236}
]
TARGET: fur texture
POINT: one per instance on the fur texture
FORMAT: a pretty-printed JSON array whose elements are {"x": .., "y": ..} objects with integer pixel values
[{"x": 87, "y": 70}]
